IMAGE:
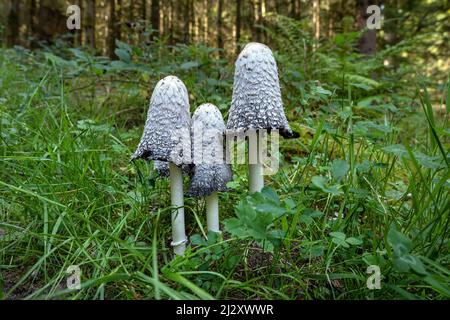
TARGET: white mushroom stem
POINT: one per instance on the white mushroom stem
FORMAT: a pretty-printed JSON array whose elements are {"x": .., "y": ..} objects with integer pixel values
[
  {"x": 212, "y": 212},
  {"x": 256, "y": 178},
  {"x": 255, "y": 166},
  {"x": 176, "y": 194}
]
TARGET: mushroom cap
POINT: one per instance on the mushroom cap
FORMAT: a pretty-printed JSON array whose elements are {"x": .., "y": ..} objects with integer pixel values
[
  {"x": 211, "y": 173},
  {"x": 166, "y": 134},
  {"x": 256, "y": 102},
  {"x": 210, "y": 178},
  {"x": 162, "y": 167}
]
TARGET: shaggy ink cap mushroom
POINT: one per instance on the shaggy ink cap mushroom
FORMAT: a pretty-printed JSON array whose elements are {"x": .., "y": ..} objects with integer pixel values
[
  {"x": 211, "y": 173},
  {"x": 162, "y": 168},
  {"x": 166, "y": 134},
  {"x": 256, "y": 102}
]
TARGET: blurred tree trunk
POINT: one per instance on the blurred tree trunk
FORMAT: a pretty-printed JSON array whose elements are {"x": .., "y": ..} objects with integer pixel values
[
  {"x": 171, "y": 22},
  {"x": 367, "y": 44},
  {"x": 187, "y": 19},
  {"x": 31, "y": 15},
  {"x": 192, "y": 26},
  {"x": 12, "y": 28},
  {"x": 219, "y": 25},
  {"x": 112, "y": 29},
  {"x": 79, "y": 34},
  {"x": 90, "y": 24},
  {"x": 119, "y": 19},
  {"x": 238, "y": 25},
  {"x": 165, "y": 18},
  {"x": 207, "y": 5},
  {"x": 131, "y": 12},
  {"x": 248, "y": 18},
  {"x": 277, "y": 6},
  {"x": 293, "y": 9},
  {"x": 316, "y": 19},
  {"x": 178, "y": 18},
  {"x": 144, "y": 10},
  {"x": 155, "y": 18},
  {"x": 258, "y": 20}
]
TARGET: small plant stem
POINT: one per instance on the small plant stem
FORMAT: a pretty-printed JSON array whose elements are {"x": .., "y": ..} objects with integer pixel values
[
  {"x": 212, "y": 212},
  {"x": 176, "y": 194},
  {"x": 255, "y": 166}
]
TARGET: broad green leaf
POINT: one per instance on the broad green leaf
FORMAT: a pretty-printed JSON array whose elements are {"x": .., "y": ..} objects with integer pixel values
[
  {"x": 321, "y": 183},
  {"x": 270, "y": 194},
  {"x": 123, "y": 55},
  {"x": 338, "y": 235},
  {"x": 417, "y": 265},
  {"x": 340, "y": 242},
  {"x": 123, "y": 45},
  {"x": 339, "y": 169},
  {"x": 189, "y": 65},
  {"x": 354, "y": 241},
  {"x": 255, "y": 217},
  {"x": 198, "y": 240},
  {"x": 399, "y": 242},
  {"x": 308, "y": 215}
]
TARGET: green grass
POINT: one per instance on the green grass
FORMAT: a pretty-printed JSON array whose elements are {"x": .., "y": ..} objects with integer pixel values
[{"x": 362, "y": 186}]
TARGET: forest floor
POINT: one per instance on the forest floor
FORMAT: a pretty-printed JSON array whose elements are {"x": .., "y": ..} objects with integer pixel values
[{"x": 366, "y": 184}]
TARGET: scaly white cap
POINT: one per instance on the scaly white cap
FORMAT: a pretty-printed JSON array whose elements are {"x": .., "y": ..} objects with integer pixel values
[
  {"x": 256, "y": 102},
  {"x": 211, "y": 173},
  {"x": 166, "y": 134}
]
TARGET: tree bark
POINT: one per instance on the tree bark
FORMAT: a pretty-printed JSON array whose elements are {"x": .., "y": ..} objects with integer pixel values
[
  {"x": 79, "y": 33},
  {"x": 193, "y": 30},
  {"x": 12, "y": 28},
  {"x": 144, "y": 10},
  {"x": 367, "y": 44},
  {"x": 171, "y": 23},
  {"x": 131, "y": 13},
  {"x": 112, "y": 29},
  {"x": 155, "y": 19},
  {"x": 293, "y": 9},
  {"x": 299, "y": 9},
  {"x": 187, "y": 16},
  {"x": 119, "y": 20},
  {"x": 316, "y": 19},
  {"x": 219, "y": 24},
  {"x": 90, "y": 23},
  {"x": 31, "y": 15},
  {"x": 238, "y": 25},
  {"x": 277, "y": 6},
  {"x": 259, "y": 20}
]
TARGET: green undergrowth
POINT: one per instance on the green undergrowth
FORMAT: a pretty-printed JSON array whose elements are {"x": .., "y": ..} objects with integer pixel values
[{"x": 366, "y": 184}]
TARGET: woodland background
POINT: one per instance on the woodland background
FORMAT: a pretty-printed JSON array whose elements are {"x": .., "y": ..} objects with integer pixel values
[
  {"x": 224, "y": 24},
  {"x": 366, "y": 183}
]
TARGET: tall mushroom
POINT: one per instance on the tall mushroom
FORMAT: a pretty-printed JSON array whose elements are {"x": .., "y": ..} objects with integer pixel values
[
  {"x": 211, "y": 173},
  {"x": 167, "y": 138},
  {"x": 256, "y": 103}
]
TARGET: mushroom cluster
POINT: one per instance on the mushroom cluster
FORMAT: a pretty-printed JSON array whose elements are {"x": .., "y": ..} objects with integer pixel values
[{"x": 176, "y": 143}]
